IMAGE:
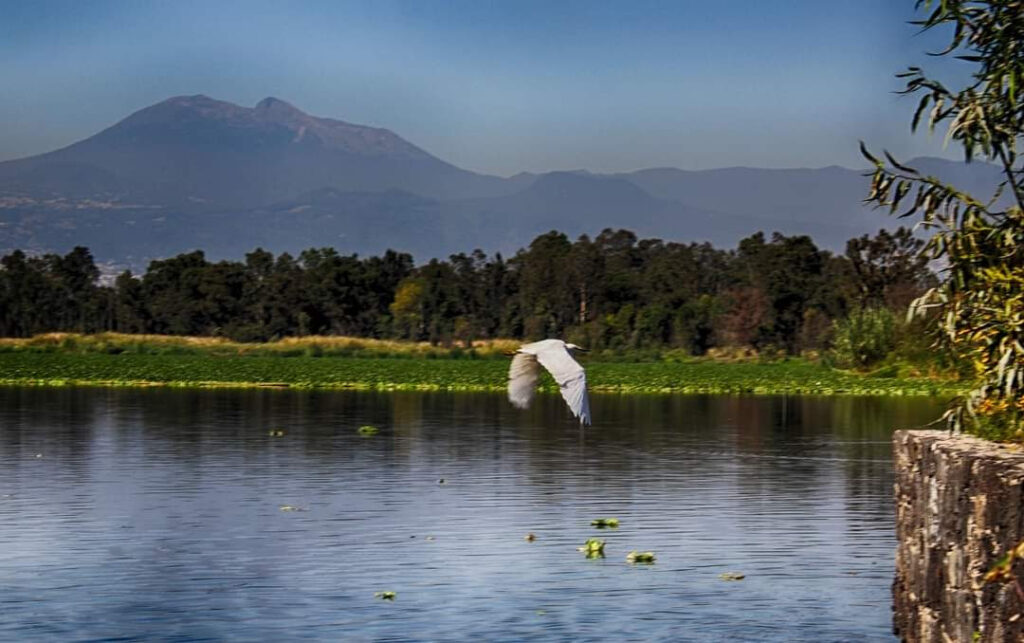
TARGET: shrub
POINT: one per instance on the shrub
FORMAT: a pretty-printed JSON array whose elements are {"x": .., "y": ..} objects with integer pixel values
[{"x": 864, "y": 339}]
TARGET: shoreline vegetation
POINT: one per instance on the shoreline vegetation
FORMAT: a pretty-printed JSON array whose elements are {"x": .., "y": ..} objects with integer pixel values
[{"x": 325, "y": 362}]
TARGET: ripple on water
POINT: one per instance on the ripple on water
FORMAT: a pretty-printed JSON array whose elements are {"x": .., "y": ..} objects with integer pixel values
[{"x": 157, "y": 515}]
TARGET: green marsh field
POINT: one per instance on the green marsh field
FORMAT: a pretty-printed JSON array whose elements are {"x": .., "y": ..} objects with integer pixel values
[{"x": 199, "y": 369}]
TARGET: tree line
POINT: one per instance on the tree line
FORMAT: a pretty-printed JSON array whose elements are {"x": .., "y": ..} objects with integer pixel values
[{"x": 614, "y": 291}]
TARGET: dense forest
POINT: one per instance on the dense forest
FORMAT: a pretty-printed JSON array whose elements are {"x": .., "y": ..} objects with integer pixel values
[{"x": 613, "y": 292}]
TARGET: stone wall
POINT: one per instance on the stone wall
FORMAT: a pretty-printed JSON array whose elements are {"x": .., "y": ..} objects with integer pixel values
[{"x": 959, "y": 507}]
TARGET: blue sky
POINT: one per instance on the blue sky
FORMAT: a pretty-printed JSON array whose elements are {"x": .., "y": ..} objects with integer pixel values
[{"x": 496, "y": 87}]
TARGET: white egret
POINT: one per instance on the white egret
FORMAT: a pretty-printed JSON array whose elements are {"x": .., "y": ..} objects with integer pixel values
[{"x": 554, "y": 355}]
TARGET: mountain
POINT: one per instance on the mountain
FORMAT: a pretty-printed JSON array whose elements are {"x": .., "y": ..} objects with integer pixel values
[
  {"x": 194, "y": 172},
  {"x": 804, "y": 196},
  {"x": 197, "y": 151}
]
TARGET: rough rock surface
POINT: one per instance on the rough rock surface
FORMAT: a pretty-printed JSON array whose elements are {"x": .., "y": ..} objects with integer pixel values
[{"x": 959, "y": 508}]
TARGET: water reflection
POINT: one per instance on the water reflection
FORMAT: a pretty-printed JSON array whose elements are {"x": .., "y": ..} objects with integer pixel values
[{"x": 155, "y": 514}]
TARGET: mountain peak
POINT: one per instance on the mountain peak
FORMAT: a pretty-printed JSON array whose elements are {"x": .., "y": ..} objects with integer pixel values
[
  {"x": 194, "y": 101},
  {"x": 277, "y": 109},
  {"x": 193, "y": 98},
  {"x": 177, "y": 107}
]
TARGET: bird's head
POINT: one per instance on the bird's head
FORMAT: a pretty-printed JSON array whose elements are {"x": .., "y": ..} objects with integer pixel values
[{"x": 574, "y": 347}]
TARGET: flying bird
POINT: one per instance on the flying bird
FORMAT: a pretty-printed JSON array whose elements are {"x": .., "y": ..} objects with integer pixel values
[{"x": 554, "y": 355}]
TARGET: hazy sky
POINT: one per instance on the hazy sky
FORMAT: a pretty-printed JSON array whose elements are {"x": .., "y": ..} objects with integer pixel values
[{"x": 497, "y": 87}]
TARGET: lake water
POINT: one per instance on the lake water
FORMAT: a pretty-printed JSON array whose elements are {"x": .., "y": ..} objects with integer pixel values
[{"x": 156, "y": 515}]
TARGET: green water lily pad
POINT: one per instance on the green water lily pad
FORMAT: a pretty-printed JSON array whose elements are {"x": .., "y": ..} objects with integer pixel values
[
  {"x": 732, "y": 576},
  {"x": 385, "y": 596},
  {"x": 593, "y": 548},
  {"x": 292, "y": 508},
  {"x": 640, "y": 556},
  {"x": 602, "y": 523},
  {"x": 368, "y": 430}
]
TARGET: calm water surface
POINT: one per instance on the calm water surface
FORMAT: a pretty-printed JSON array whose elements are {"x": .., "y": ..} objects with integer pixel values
[{"x": 156, "y": 515}]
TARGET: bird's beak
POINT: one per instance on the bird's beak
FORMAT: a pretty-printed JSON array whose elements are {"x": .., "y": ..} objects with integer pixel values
[{"x": 582, "y": 350}]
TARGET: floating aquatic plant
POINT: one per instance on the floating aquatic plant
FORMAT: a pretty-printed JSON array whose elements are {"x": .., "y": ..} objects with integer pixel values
[
  {"x": 602, "y": 523},
  {"x": 368, "y": 430},
  {"x": 640, "y": 557},
  {"x": 593, "y": 548},
  {"x": 216, "y": 370},
  {"x": 292, "y": 508},
  {"x": 276, "y": 433},
  {"x": 732, "y": 576},
  {"x": 385, "y": 596}
]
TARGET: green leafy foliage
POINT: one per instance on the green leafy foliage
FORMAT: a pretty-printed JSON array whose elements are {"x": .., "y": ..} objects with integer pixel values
[
  {"x": 979, "y": 303},
  {"x": 196, "y": 370},
  {"x": 602, "y": 523},
  {"x": 640, "y": 557},
  {"x": 614, "y": 293},
  {"x": 864, "y": 338},
  {"x": 593, "y": 548}
]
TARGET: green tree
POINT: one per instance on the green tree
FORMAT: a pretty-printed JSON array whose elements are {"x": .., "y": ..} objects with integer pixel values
[
  {"x": 980, "y": 239},
  {"x": 788, "y": 272},
  {"x": 440, "y": 302},
  {"x": 545, "y": 298},
  {"x": 407, "y": 309},
  {"x": 74, "y": 277},
  {"x": 335, "y": 289},
  {"x": 888, "y": 269},
  {"x": 21, "y": 284},
  {"x": 171, "y": 288},
  {"x": 130, "y": 314},
  {"x": 381, "y": 277}
]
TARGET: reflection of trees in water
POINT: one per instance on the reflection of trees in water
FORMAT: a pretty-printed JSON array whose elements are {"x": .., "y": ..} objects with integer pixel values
[
  {"x": 820, "y": 440},
  {"x": 57, "y": 423},
  {"x": 321, "y": 426},
  {"x": 674, "y": 438}
]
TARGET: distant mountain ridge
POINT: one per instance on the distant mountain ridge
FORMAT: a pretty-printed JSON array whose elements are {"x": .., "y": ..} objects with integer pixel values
[
  {"x": 195, "y": 172},
  {"x": 194, "y": 149}
]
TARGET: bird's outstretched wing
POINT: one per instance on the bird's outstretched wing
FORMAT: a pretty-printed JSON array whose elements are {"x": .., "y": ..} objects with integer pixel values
[
  {"x": 522, "y": 379},
  {"x": 571, "y": 379}
]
